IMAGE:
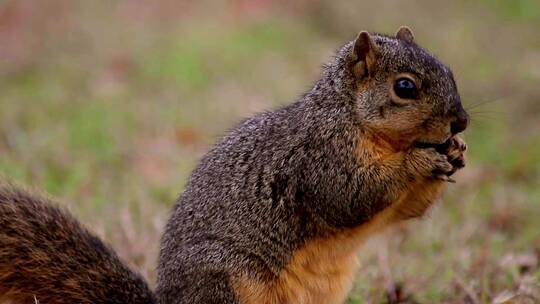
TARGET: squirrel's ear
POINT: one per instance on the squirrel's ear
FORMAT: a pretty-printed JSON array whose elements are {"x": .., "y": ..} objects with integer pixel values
[
  {"x": 405, "y": 33},
  {"x": 363, "y": 54}
]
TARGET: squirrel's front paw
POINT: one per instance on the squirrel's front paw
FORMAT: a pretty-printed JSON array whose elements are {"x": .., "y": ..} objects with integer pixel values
[
  {"x": 455, "y": 153},
  {"x": 431, "y": 163},
  {"x": 442, "y": 161}
]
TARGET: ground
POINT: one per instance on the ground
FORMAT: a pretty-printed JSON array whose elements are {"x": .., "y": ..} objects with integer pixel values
[{"x": 108, "y": 105}]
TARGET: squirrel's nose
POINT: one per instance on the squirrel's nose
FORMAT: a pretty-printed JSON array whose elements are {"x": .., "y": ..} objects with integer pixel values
[{"x": 460, "y": 124}]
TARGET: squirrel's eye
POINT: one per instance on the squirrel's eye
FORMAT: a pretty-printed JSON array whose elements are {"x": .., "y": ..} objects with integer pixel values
[{"x": 405, "y": 88}]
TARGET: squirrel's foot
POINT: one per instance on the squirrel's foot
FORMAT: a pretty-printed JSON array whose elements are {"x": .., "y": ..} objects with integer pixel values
[
  {"x": 440, "y": 162},
  {"x": 430, "y": 163},
  {"x": 454, "y": 149},
  {"x": 456, "y": 153}
]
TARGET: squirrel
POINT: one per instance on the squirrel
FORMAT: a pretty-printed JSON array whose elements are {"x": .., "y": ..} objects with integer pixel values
[{"x": 276, "y": 211}]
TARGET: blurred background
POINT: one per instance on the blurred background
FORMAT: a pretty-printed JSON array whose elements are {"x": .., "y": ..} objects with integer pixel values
[{"x": 107, "y": 105}]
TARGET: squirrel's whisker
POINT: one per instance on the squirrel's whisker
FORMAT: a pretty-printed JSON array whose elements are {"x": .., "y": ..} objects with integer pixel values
[{"x": 481, "y": 103}]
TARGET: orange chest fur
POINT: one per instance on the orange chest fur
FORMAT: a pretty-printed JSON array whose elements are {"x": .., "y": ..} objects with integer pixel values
[{"x": 322, "y": 271}]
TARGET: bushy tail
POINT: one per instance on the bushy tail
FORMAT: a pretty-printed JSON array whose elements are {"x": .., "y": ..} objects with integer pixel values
[{"x": 47, "y": 256}]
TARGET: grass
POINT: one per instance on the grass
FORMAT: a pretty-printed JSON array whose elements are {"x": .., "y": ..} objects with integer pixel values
[{"x": 108, "y": 107}]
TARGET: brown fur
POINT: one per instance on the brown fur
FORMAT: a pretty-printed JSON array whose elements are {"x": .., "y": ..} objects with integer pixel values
[{"x": 47, "y": 256}]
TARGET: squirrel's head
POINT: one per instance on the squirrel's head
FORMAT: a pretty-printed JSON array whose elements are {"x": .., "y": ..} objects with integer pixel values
[{"x": 403, "y": 93}]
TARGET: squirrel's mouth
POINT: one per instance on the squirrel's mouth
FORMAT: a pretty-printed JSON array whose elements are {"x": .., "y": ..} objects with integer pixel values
[{"x": 440, "y": 146}]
